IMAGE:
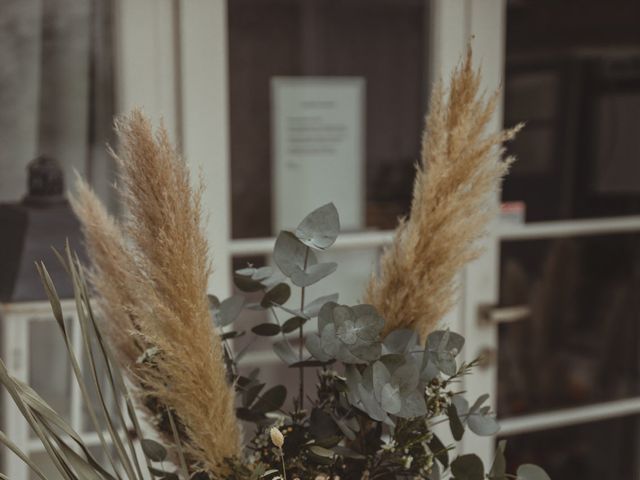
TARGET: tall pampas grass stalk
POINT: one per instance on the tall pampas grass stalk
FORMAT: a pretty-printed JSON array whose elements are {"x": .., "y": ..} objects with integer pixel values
[
  {"x": 461, "y": 168},
  {"x": 150, "y": 274}
]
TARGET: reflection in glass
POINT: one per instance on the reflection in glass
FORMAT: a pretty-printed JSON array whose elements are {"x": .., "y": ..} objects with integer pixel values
[
  {"x": 576, "y": 85},
  {"x": 580, "y": 344},
  {"x": 380, "y": 43},
  {"x": 593, "y": 451}
]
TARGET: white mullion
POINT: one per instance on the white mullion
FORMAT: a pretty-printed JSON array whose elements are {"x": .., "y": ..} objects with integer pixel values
[
  {"x": 15, "y": 349},
  {"x": 345, "y": 241},
  {"x": 570, "y": 416},
  {"x": 204, "y": 101},
  {"x": 485, "y": 29},
  {"x": 569, "y": 228}
]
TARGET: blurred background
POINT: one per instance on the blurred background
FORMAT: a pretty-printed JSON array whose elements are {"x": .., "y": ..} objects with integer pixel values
[{"x": 284, "y": 105}]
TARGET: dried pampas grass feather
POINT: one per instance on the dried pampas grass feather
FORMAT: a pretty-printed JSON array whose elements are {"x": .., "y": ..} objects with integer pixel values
[
  {"x": 460, "y": 169},
  {"x": 150, "y": 274}
]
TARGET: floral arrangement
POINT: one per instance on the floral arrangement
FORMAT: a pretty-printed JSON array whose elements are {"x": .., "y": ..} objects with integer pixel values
[{"x": 386, "y": 376}]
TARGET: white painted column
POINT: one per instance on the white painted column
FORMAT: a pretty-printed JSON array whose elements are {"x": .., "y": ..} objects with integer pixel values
[
  {"x": 205, "y": 124},
  {"x": 486, "y": 25},
  {"x": 145, "y": 60}
]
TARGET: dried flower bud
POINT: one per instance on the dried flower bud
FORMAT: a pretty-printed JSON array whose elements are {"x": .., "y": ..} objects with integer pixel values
[{"x": 276, "y": 437}]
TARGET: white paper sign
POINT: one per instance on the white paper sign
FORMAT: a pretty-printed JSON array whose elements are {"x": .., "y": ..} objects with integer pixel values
[{"x": 318, "y": 148}]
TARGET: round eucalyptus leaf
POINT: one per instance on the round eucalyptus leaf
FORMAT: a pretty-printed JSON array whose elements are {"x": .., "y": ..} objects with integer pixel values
[
  {"x": 314, "y": 346},
  {"x": 529, "y": 471},
  {"x": 290, "y": 254},
  {"x": 245, "y": 283},
  {"x": 390, "y": 398},
  {"x": 400, "y": 341},
  {"x": 367, "y": 353},
  {"x": 468, "y": 467},
  {"x": 229, "y": 310},
  {"x": 478, "y": 403},
  {"x": 445, "y": 341},
  {"x": 499, "y": 467},
  {"x": 457, "y": 428},
  {"x": 284, "y": 351},
  {"x": 320, "y": 228},
  {"x": 312, "y": 309},
  {"x": 346, "y": 332},
  {"x": 483, "y": 425},
  {"x": 249, "y": 415},
  {"x": 381, "y": 377},
  {"x": 330, "y": 342},
  {"x": 406, "y": 377},
  {"x": 271, "y": 400},
  {"x": 370, "y": 406},
  {"x": 321, "y": 451},
  {"x": 214, "y": 302},
  {"x": 413, "y": 405},
  {"x": 461, "y": 404},
  {"x": 293, "y": 324},
  {"x": 153, "y": 450},
  {"x": 266, "y": 329},
  {"x": 276, "y": 295}
]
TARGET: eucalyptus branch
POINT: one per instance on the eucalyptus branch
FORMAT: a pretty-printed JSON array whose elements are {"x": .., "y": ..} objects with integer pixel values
[{"x": 301, "y": 333}]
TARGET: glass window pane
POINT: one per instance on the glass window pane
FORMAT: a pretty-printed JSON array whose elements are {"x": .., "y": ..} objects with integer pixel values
[
  {"x": 593, "y": 451},
  {"x": 367, "y": 135},
  {"x": 580, "y": 344},
  {"x": 56, "y": 90},
  {"x": 576, "y": 85}
]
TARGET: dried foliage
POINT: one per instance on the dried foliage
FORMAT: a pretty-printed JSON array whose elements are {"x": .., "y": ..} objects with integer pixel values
[
  {"x": 461, "y": 168},
  {"x": 380, "y": 391},
  {"x": 150, "y": 275}
]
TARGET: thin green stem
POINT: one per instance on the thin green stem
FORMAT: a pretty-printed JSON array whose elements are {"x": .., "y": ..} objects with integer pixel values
[
  {"x": 284, "y": 470},
  {"x": 301, "y": 334}
]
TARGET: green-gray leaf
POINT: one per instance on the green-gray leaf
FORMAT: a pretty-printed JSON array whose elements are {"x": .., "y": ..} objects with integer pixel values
[
  {"x": 390, "y": 398},
  {"x": 457, "y": 429},
  {"x": 499, "y": 467},
  {"x": 153, "y": 450},
  {"x": 290, "y": 254},
  {"x": 529, "y": 471},
  {"x": 468, "y": 467},
  {"x": 276, "y": 295},
  {"x": 483, "y": 425},
  {"x": 229, "y": 310},
  {"x": 320, "y": 228},
  {"x": 293, "y": 324},
  {"x": 271, "y": 400},
  {"x": 266, "y": 329}
]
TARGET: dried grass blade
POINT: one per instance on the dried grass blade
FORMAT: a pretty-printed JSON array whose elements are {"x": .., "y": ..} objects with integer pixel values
[
  {"x": 55, "y": 305},
  {"x": 10, "y": 384},
  {"x": 20, "y": 454},
  {"x": 86, "y": 340},
  {"x": 110, "y": 366},
  {"x": 176, "y": 438}
]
